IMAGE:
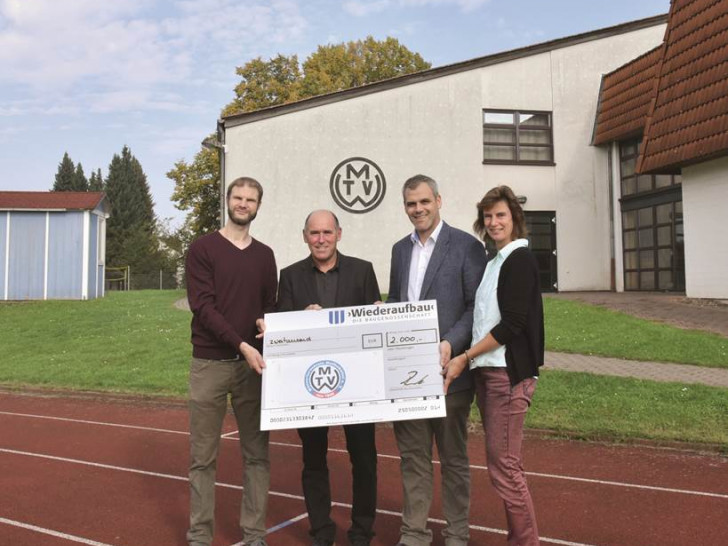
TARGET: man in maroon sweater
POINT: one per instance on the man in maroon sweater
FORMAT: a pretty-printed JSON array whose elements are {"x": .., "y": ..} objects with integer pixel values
[{"x": 231, "y": 283}]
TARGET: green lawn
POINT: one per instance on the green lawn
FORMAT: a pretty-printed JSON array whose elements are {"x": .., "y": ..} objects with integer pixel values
[
  {"x": 574, "y": 327},
  {"x": 621, "y": 408},
  {"x": 138, "y": 342},
  {"x": 124, "y": 342}
]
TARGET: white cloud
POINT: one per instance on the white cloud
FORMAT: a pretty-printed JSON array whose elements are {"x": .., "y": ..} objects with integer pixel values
[
  {"x": 518, "y": 36},
  {"x": 464, "y": 5},
  {"x": 362, "y": 8},
  {"x": 125, "y": 53}
]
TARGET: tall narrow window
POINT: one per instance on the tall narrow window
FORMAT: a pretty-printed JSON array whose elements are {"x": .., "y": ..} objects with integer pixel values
[
  {"x": 652, "y": 226},
  {"x": 513, "y": 136}
]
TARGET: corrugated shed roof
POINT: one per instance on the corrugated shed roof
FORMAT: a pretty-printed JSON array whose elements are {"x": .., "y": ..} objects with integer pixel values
[
  {"x": 689, "y": 120},
  {"x": 625, "y": 97},
  {"x": 50, "y": 200}
]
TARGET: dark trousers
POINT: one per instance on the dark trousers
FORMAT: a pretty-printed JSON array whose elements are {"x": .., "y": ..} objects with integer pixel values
[{"x": 317, "y": 489}]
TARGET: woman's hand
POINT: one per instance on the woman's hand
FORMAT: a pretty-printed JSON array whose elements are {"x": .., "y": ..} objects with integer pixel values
[{"x": 453, "y": 369}]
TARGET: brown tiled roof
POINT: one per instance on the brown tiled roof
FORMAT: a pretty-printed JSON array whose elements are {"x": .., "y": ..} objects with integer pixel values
[
  {"x": 689, "y": 120},
  {"x": 50, "y": 200},
  {"x": 624, "y": 98}
]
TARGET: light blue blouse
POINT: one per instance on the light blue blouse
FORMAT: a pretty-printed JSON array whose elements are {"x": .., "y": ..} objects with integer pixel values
[{"x": 487, "y": 313}]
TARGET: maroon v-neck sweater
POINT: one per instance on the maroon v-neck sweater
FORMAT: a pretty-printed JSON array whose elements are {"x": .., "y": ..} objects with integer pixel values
[{"x": 228, "y": 289}]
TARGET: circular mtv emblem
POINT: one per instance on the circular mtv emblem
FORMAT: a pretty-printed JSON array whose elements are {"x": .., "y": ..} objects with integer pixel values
[
  {"x": 325, "y": 378},
  {"x": 357, "y": 185}
]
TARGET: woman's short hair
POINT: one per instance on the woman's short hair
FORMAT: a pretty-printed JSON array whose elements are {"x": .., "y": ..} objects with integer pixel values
[{"x": 505, "y": 194}]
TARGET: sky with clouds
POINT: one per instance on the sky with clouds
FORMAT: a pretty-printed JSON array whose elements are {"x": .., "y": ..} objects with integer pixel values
[{"x": 90, "y": 76}]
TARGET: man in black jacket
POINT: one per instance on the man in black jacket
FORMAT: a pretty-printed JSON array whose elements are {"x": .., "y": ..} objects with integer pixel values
[{"x": 327, "y": 278}]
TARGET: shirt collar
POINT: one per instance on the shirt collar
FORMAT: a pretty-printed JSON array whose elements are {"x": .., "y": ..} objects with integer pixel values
[
  {"x": 434, "y": 235},
  {"x": 504, "y": 252},
  {"x": 313, "y": 264}
]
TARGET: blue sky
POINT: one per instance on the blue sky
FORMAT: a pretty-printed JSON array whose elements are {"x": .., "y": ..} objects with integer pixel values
[{"x": 89, "y": 76}]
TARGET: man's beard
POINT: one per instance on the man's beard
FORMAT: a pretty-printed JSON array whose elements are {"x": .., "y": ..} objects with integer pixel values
[{"x": 241, "y": 221}]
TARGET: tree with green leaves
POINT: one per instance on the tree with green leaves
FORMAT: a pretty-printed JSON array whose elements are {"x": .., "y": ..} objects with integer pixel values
[
  {"x": 266, "y": 83},
  {"x": 96, "y": 181},
  {"x": 336, "y": 67},
  {"x": 66, "y": 175},
  {"x": 281, "y": 80},
  {"x": 197, "y": 189},
  {"x": 331, "y": 68}
]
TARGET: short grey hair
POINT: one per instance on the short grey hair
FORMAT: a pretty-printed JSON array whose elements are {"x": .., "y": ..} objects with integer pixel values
[{"x": 414, "y": 181}]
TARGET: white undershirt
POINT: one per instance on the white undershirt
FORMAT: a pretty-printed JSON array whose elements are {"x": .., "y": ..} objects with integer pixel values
[{"x": 421, "y": 254}]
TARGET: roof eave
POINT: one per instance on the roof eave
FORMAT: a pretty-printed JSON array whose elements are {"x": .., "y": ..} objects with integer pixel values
[{"x": 439, "y": 72}]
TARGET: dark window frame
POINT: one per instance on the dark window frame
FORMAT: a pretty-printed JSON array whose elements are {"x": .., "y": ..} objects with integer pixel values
[
  {"x": 629, "y": 157},
  {"x": 516, "y": 127},
  {"x": 645, "y": 203}
]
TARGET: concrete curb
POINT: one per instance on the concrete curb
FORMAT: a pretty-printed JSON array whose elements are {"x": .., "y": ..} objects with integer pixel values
[{"x": 652, "y": 371}]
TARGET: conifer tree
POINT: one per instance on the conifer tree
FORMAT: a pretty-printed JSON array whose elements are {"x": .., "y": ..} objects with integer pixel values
[
  {"x": 96, "y": 181},
  {"x": 66, "y": 175},
  {"x": 131, "y": 230},
  {"x": 79, "y": 179}
]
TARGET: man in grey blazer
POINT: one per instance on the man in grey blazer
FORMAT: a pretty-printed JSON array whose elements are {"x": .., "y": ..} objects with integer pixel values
[
  {"x": 437, "y": 262},
  {"x": 327, "y": 278}
]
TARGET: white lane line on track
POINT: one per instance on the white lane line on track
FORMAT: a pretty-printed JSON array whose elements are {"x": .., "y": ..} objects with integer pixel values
[
  {"x": 228, "y": 436},
  {"x": 51, "y": 532},
  {"x": 562, "y": 477},
  {"x": 272, "y": 493},
  {"x": 280, "y": 526},
  {"x": 100, "y": 423},
  {"x": 132, "y": 470}
]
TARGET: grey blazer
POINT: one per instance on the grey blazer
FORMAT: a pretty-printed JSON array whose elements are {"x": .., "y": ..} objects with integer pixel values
[{"x": 452, "y": 278}]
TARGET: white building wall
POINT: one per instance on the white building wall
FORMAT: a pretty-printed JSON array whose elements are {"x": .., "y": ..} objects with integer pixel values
[
  {"x": 705, "y": 194},
  {"x": 435, "y": 127},
  {"x": 432, "y": 128}
]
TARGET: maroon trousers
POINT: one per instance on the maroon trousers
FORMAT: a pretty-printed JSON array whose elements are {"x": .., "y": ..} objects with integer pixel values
[{"x": 503, "y": 410}]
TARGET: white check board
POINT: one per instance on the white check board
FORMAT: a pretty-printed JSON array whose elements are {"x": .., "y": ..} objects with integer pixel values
[{"x": 348, "y": 365}]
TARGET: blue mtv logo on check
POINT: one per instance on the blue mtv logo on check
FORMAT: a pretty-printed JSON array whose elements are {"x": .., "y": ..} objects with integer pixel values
[{"x": 337, "y": 317}]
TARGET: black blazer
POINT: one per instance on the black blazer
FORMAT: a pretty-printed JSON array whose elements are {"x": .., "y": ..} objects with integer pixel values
[{"x": 357, "y": 284}]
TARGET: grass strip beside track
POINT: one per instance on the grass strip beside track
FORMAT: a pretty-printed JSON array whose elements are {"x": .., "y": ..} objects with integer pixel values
[
  {"x": 574, "y": 327},
  {"x": 138, "y": 342},
  {"x": 125, "y": 342}
]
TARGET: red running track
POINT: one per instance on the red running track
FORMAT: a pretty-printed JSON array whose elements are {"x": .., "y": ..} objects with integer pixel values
[{"x": 109, "y": 471}]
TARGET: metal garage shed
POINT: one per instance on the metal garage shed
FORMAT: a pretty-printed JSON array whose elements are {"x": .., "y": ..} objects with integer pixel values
[{"x": 52, "y": 245}]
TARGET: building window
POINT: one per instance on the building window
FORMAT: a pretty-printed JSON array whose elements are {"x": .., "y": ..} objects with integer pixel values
[
  {"x": 652, "y": 226},
  {"x": 633, "y": 183},
  {"x": 512, "y": 136}
]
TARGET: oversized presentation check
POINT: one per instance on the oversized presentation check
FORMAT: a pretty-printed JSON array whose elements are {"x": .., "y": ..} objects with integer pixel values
[{"x": 352, "y": 365}]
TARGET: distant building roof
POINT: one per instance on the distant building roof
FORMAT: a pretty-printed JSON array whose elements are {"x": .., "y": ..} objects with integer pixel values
[
  {"x": 625, "y": 98},
  {"x": 688, "y": 122},
  {"x": 50, "y": 200}
]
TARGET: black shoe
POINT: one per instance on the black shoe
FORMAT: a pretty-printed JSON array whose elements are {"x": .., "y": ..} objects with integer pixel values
[{"x": 323, "y": 542}]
